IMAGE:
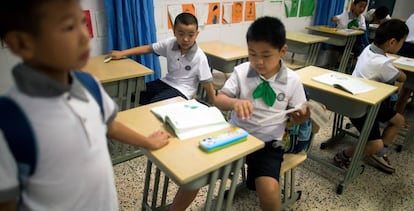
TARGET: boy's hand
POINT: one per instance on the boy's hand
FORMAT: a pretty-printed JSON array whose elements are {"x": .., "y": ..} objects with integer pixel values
[
  {"x": 115, "y": 55},
  {"x": 158, "y": 139},
  {"x": 335, "y": 19},
  {"x": 301, "y": 115},
  {"x": 243, "y": 109}
]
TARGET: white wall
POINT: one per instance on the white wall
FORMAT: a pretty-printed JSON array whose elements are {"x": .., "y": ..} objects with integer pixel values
[{"x": 403, "y": 9}]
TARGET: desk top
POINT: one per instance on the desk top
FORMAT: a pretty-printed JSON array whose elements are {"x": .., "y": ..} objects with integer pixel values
[
  {"x": 182, "y": 160},
  {"x": 334, "y": 31},
  {"x": 373, "y": 97},
  {"x": 400, "y": 66},
  {"x": 115, "y": 70},
  {"x": 304, "y": 37},
  {"x": 223, "y": 50}
]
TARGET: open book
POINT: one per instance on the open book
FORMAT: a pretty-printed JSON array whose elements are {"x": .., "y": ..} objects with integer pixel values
[
  {"x": 344, "y": 82},
  {"x": 409, "y": 62},
  {"x": 191, "y": 118}
]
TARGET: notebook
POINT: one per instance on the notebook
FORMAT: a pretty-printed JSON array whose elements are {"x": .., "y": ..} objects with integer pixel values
[
  {"x": 344, "y": 82},
  {"x": 191, "y": 118}
]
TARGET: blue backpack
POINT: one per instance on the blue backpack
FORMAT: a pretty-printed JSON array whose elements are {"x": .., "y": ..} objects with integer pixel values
[{"x": 19, "y": 134}]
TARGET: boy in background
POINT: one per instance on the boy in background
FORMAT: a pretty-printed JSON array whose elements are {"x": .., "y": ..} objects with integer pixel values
[
  {"x": 73, "y": 166},
  {"x": 377, "y": 16},
  {"x": 186, "y": 62},
  {"x": 353, "y": 20},
  {"x": 373, "y": 64},
  {"x": 255, "y": 90}
]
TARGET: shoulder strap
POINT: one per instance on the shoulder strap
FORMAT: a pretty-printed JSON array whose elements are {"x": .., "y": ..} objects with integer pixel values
[
  {"x": 19, "y": 136},
  {"x": 92, "y": 86}
]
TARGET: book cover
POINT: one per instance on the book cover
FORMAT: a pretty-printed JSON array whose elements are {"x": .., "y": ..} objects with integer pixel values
[
  {"x": 344, "y": 82},
  {"x": 404, "y": 61}
]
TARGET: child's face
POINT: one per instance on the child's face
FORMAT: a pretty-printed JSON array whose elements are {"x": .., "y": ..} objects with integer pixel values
[
  {"x": 62, "y": 41},
  {"x": 186, "y": 35},
  {"x": 395, "y": 45},
  {"x": 264, "y": 58},
  {"x": 359, "y": 8}
]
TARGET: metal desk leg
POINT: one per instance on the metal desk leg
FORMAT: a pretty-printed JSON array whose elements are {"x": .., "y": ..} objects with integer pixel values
[
  {"x": 312, "y": 54},
  {"x": 122, "y": 89},
  {"x": 347, "y": 52},
  {"x": 359, "y": 150},
  {"x": 140, "y": 87}
]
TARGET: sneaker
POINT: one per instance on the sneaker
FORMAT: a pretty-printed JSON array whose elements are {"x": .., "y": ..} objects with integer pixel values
[
  {"x": 342, "y": 161},
  {"x": 382, "y": 163}
]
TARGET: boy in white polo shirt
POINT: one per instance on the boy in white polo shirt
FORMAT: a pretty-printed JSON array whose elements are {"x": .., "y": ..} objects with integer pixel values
[
  {"x": 73, "y": 168},
  {"x": 186, "y": 62},
  {"x": 373, "y": 64},
  {"x": 258, "y": 89}
]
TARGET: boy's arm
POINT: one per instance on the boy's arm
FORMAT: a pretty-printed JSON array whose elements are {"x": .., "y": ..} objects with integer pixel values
[
  {"x": 334, "y": 19},
  {"x": 211, "y": 93},
  {"x": 122, "y": 133},
  {"x": 145, "y": 49},
  {"x": 8, "y": 205},
  {"x": 402, "y": 77}
]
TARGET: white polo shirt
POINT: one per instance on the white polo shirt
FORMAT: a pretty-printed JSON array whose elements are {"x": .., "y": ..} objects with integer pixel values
[
  {"x": 289, "y": 91},
  {"x": 74, "y": 169},
  {"x": 373, "y": 64},
  {"x": 347, "y": 17},
  {"x": 185, "y": 72}
]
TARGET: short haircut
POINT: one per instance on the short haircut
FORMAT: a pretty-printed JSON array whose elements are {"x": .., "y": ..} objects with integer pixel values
[
  {"x": 381, "y": 12},
  {"x": 267, "y": 29},
  {"x": 357, "y": 1},
  {"x": 186, "y": 19},
  {"x": 393, "y": 28},
  {"x": 20, "y": 15}
]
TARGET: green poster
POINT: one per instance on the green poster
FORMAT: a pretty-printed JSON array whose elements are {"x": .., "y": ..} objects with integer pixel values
[{"x": 306, "y": 8}]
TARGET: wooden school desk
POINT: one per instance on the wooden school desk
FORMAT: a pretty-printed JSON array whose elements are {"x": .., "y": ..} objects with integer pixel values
[
  {"x": 409, "y": 83},
  {"x": 345, "y": 104},
  {"x": 338, "y": 38},
  {"x": 306, "y": 44},
  {"x": 184, "y": 163},
  {"x": 223, "y": 56},
  {"x": 120, "y": 78}
]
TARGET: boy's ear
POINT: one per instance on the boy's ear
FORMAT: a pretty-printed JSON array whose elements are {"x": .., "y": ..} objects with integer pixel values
[
  {"x": 283, "y": 50},
  {"x": 20, "y": 43}
]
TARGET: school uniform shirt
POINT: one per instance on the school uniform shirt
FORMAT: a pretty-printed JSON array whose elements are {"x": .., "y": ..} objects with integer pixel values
[
  {"x": 74, "y": 169},
  {"x": 347, "y": 17},
  {"x": 373, "y": 64},
  {"x": 185, "y": 72},
  {"x": 289, "y": 92}
]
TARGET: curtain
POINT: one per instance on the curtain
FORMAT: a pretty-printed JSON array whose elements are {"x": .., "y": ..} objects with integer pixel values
[
  {"x": 325, "y": 9},
  {"x": 131, "y": 23}
]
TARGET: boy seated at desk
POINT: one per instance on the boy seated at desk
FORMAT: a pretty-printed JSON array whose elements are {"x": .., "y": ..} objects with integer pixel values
[
  {"x": 255, "y": 90},
  {"x": 353, "y": 20},
  {"x": 186, "y": 62},
  {"x": 373, "y": 64}
]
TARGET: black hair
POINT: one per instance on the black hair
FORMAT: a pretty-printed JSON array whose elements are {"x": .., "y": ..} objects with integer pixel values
[
  {"x": 20, "y": 15},
  {"x": 267, "y": 29},
  {"x": 381, "y": 12},
  {"x": 393, "y": 28},
  {"x": 357, "y": 1},
  {"x": 186, "y": 19}
]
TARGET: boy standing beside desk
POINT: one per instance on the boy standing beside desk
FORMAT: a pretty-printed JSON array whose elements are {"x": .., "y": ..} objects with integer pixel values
[
  {"x": 373, "y": 64},
  {"x": 256, "y": 90},
  {"x": 186, "y": 62},
  {"x": 73, "y": 169}
]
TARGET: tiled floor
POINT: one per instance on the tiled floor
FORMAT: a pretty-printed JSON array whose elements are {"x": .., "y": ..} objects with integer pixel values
[{"x": 372, "y": 190}]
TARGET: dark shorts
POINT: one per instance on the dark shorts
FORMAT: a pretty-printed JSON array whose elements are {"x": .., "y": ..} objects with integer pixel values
[
  {"x": 158, "y": 90},
  {"x": 264, "y": 162},
  {"x": 385, "y": 113}
]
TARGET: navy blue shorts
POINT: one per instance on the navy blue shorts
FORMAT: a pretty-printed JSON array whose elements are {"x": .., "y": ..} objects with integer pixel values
[
  {"x": 385, "y": 114},
  {"x": 264, "y": 162},
  {"x": 158, "y": 90}
]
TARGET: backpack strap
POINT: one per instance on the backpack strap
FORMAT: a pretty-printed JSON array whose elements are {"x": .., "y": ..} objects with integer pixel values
[
  {"x": 92, "y": 86},
  {"x": 19, "y": 136}
]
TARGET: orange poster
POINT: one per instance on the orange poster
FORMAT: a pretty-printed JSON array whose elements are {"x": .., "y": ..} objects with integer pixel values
[
  {"x": 237, "y": 12},
  {"x": 213, "y": 13},
  {"x": 250, "y": 13},
  {"x": 185, "y": 8}
]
